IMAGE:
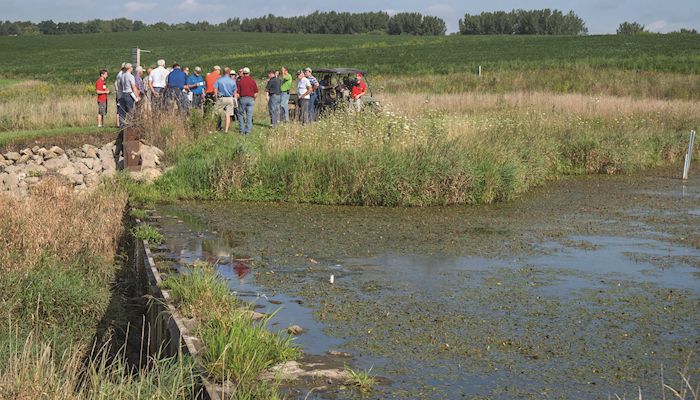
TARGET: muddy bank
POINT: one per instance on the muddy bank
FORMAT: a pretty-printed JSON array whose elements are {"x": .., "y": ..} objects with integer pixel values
[{"x": 584, "y": 288}]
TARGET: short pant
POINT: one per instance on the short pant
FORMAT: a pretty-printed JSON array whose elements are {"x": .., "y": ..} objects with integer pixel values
[
  {"x": 102, "y": 108},
  {"x": 225, "y": 105}
]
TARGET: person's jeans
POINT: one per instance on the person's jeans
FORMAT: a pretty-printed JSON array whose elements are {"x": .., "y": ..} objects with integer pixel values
[
  {"x": 274, "y": 106},
  {"x": 303, "y": 110},
  {"x": 312, "y": 107},
  {"x": 284, "y": 103},
  {"x": 245, "y": 108},
  {"x": 126, "y": 108}
]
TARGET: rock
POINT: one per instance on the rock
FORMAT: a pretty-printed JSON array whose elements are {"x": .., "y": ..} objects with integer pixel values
[
  {"x": 35, "y": 149},
  {"x": 80, "y": 188},
  {"x": 13, "y": 155},
  {"x": 77, "y": 179},
  {"x": 158, "y": 152},
  {"x": 91, "y": 179},
  {"x": 337, "y": 353},
  {"x": 3, "y": 176},
  {"x": 42, "y": 151},
  {"x": 27, "y": 152},
  {"x": 89, "y": 150},
  {"x": 87, "y": 161},
  {"x": 11, "y": 181},
  {"x": 149, "y": 160},
  {"x": 32, "y": 180},
  {"x": 295, "y": 330},
  {"x": 68, "y": 170},
  {"x": 23, "y": 159},
  {"x": 35, "y": 170},
  {"x": 13, "y": 169},
  {"x": 2, "y": 158},
  {"x": 57, "y": 150},
  {"x": 55, "y": 164},
  {"x": 38, "y": 159},
  {"x": 97, "y": 165},
  {"x": 82, "y": 168}
]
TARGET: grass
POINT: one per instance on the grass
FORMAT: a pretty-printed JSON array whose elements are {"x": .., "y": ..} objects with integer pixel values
[
  {"x": 81, "y": 55},
  {"x": 237, "y": 348},
  {"x": 363, "y": 380},
  {"x": 444, "y": 149},
  {"x": 148, "y": 233},
  {"x": 138, "y": 213}
]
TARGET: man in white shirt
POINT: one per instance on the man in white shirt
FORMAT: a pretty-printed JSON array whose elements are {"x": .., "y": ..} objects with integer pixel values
[
  {"x": 157, "y": 82},
  {"x": 304, "y": 90}
]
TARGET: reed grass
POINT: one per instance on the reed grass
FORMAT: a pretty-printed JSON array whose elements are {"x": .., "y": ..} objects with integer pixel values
[{"x": 237, "y": 349}]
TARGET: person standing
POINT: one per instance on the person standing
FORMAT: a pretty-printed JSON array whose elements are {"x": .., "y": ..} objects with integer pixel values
[
  {"x": 158, "y": 78},
  {"x": 117, "y": 91},
  {"x": 102, "y": 92},
  {"x": 285, "y": 87},
  {"x": 129, "y": 95},
  {"x": 314, "y": 96},
  {"x": 224, "y": 93},
  {"x": 140, "y": 85},
  {"x": 175, "y": 85},
  {"x": 195, "y": 84},
  {"x": 210, "y": 81},
  {"x": 273, "y": 94},
  {"x": 359, "y": 89},
  {"x": 304, "y": 90},
  {"x": 247, "y": 93}
]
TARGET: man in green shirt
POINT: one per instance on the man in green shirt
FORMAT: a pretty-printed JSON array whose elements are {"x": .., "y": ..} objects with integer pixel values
[{"x": 285, "y": 87}]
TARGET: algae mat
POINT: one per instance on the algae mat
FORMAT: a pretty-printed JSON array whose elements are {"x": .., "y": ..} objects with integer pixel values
[{"x": 586, "y": 289}]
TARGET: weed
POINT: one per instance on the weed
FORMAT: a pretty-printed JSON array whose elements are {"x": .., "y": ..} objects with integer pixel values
[
  {"x": 363, "y": 380},
  {"x": 148, "y": 233},
  {"x": 138, "y": 213}
]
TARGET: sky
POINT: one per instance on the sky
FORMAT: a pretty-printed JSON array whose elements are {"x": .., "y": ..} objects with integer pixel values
[{"x": 601, "y": 16}]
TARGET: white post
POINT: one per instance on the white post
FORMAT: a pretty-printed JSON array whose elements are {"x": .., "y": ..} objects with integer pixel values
[
  {"x": 688, "y": 155},
  {"x": 479, "y": 70}
]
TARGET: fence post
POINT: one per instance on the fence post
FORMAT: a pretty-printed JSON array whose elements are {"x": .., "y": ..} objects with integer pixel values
[
  {"x": 688, "y": 155},
  {"x": 479, "y": 70}
]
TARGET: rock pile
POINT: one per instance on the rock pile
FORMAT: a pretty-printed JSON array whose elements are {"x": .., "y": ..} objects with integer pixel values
[{"x": 83, "y": 167}]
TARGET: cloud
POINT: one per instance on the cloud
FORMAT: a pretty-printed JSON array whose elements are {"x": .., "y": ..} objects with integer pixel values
[
  {"x": 197, "y": 6},
  {"x": 137, "y": 6},
  {"x": 439, "y": 9},
  {"x": 657, "y": 26}
]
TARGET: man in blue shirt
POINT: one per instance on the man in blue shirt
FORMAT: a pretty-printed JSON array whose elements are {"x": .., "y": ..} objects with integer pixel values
[
  {"x": 195, "y": 84},
  {"x": 224, "y": 93},
  {"x": 176, "y": 84}
]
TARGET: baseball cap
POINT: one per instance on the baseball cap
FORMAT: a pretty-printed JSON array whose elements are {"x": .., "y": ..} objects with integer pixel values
[
  {"x": 217, "y": 67},
  {"x": 198, "y": 69},
  {"x": 307, "y": 69},
  {"x": 127, "y": 65},
  {"x": 246, "y": 70}
]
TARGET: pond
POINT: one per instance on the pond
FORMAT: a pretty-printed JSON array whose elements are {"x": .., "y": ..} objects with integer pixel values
[{"x": 582, "y": 289}]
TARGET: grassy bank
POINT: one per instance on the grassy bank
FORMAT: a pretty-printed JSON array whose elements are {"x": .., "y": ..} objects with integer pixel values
[
  {"x": 58, "y": 267},
  {"x": 237, "y": 347},
  {"x": 448, "y": 149}
]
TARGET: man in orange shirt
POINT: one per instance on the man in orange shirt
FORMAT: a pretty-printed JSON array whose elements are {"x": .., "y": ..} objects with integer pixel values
[{"x": 210, "y": 81}]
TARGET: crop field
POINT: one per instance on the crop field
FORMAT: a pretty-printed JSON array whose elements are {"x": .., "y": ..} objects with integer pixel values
[{"x": 75, "y": 58}]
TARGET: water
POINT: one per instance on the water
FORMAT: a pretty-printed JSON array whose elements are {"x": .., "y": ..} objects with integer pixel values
[{"x": 574, "y": 291}]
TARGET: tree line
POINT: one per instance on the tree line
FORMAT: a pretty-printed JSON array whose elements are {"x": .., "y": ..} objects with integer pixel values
[
  {"x": 317, "y": 22},
  {"x": 515, "y": 22},
  {"x": 523, "y": 22}
]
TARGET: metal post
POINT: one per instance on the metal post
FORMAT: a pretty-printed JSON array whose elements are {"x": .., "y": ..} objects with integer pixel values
[{"x": 689, "y": 155}]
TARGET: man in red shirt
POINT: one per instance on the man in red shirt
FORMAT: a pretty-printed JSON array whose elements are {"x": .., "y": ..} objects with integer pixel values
[
  {"x": 247, "y": 92},
  {"x": 210, "y": 81},
  {"x": 358, "y": 90},
  {"x": 102, "y": 92}
]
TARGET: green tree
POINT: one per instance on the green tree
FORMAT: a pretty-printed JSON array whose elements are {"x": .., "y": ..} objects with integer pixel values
[{"x": 630, "y": 28}]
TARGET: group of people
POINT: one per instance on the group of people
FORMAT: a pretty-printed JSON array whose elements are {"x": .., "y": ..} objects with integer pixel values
[{"x": 231, "y": 94}]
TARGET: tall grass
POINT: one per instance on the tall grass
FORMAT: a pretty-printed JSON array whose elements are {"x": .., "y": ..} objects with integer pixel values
[
  {"x": 35, "y": 370},
  {"x": 438, "y": 149},
  {"x": 237, "y": 349}
]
